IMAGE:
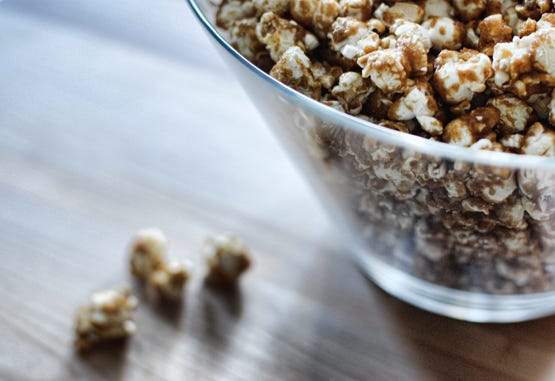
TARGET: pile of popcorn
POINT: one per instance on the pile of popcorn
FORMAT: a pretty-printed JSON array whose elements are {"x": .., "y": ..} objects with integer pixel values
[
  {"x": 473, "y": 73},
  {"x": 432, "y": 68}
]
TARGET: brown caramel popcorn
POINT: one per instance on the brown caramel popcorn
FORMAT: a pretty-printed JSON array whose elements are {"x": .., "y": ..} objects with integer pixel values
[
  {"x": 169, "y": 281},
  {"x": 148, "y": 251},
  {"x": 473, "y": 73},
  {"x": 226, "y": 258},
  {"x": 148, "y": 262},
  {"x": 279, "y": 34},
  {"x": 108, "y": 316}
]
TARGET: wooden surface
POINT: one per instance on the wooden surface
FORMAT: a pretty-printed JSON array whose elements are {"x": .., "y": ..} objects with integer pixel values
[{"x": 116, "y": 115}]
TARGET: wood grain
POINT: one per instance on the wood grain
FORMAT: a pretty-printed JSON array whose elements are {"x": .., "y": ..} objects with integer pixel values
[{"x": 119, "y": 115}]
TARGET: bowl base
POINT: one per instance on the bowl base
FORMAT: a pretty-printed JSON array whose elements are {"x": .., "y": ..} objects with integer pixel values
[{"x": 457, "y": 304}]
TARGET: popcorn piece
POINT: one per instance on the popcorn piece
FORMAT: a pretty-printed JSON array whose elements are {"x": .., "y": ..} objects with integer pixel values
[
  {"x": 325, "y": 74},
  {"x": 147, "y": 252},
  {"x": 512, "y": 142},
  {"x": 317, "y": 15},
  {"x": 415, "y": 103},
  {"x": 387, "y": 68},
  {"x": 242, "y": 35},
  {"x": 358, "y": 9},
  {"x": 539, "y": 141},
  {"x": 279, "y": 7},
  {"x": 445, "y": 33},
  {"x": 459, "y": 75},
  {"x": 512, "y": 59},
  {"x": 492, "y": 31},
  {"x": 437, "y": 8},
  {"x": 280, "y": 34},
  {"x": 352, "y": 91},
  {"x": 169, "y": 281},
  {"x": 515, "y": 114},
  {"x": 430, "y": 124},
  {"x": 527, "y": 27},
  {"x": 352, "y": 38},
  {"x": 414, "y": 41},
  {"x": 293, "y": 69},
  {"x": 545, "y": 22},
  {"x": 399, "y": 11},
  {"x": 533, "y": 8},
  {"x": 468, "y": 129},
  {"x": 226, "y": 259},
  {"x": 469, "y": 9},
  {"x": 233, "y": 10},
  {"x": 107, "y": 317}
]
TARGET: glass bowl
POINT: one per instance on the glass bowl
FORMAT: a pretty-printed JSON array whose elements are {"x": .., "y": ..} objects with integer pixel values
[{"x": 464, "y": 233}]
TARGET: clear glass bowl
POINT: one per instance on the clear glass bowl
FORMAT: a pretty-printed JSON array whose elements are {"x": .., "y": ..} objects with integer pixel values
[{"x": 463, "y": 233}]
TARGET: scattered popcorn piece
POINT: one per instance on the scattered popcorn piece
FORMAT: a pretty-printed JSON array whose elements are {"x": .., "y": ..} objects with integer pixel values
[
  {"x": 147, "y": 252},
  {"x": 460, "y": 75},
  {"x": 293, "y": 69},
  {"x": 233, "y": 10},
  {"x": 107, "y": 317},
  {"x": 279, "y": 34},
  {"x": 148, "y": 262},
  {"x": 169, "y": 281},
  {"x": 445, "y": 33},
  {"x": 352, "y": 91},
  {"x": 414, "y": 41},
  {"x": 227, "y": 258},
  {"x": 539, "y": 141}
]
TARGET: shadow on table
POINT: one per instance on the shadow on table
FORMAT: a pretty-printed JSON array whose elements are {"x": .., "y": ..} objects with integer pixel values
[
  {"x": 106, "y": 360},
  {"x": 365, "y": 333},
  {"x": 453, "y": 349}
]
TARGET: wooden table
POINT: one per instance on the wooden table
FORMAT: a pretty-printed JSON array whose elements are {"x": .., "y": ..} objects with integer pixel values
[{"x": 117, "y": 115}]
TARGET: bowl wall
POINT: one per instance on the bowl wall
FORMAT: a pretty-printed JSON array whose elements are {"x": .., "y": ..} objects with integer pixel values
[{"x": 462, "y": 233}]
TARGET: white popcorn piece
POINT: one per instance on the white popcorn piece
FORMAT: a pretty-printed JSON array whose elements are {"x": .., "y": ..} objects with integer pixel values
[
  {"x": 352, "y": 38},
  {"x": 460, "y": 75},
  {"x": 437, "y": 8},
  {"x": 430, "y": 124},
  {"x": 386, "y": 68},
  {"x": 415, "y": 103},
  {"x": 469, "y": 128},
  {"x": 513, "y": 142},
  {"x": 444, "y": 32},
  {"x": 317, "y": 15},
  {"x": 227, "y": 258},
  {"x": 147, "y": 252},
  {"x": 539, "y": 141},
  {"x": 294, "y": 70},
  {"x": 279, "y": 7},
  {"x": 107, "y": 317},
  {"x": 352, "y": 91},
  {"x": 358, "y": 9},
  {"x": 399, "y": 11},
  {"x": 515, "y": 114},
  {"x": 242, "y": 35},
  {"x": 279, "y": 34}
]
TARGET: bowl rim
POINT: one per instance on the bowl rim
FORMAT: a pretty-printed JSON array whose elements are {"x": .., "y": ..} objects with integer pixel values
[{"x": 403, "y": 139}]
